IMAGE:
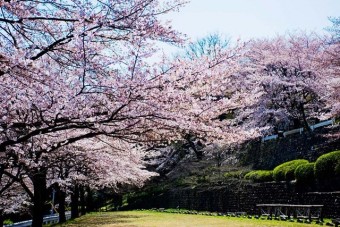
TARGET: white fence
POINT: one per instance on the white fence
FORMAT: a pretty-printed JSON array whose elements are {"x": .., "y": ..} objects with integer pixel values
[
  {"x": 50, "y": 219},
  {"x": 300, "y": 130}
]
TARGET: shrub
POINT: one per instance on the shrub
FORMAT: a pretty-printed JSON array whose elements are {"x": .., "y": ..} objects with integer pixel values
[
  {"x": 327, "y": 165},
  {"x": 260, "y": 175},
  {"x": 239, "y": 174},
  {"x": 285, "y": 171},
  {"x": 8, "y": 222},
  {"x": 304, "y": 174}
]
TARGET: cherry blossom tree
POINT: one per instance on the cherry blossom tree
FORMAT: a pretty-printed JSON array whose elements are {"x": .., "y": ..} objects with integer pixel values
[
  {"x": 12, "y": 201},
  {"x": 106, "y": 165},
  {"x": 75, "y": 70},
  {"x": 69, "y": 67},
  {"x": 332, "y": 61},
  {"x": 13, "y": 198},
  {"x": 290, "y": 79}
]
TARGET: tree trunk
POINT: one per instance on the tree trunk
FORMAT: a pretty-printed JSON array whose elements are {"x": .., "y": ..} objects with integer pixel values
[
  {"x": 117, "y": 201},
  {"x": 39, "y": 198},
  {"x": 89, "y": 200},
  {"x": 82, "y": 200},
  {"x": 199, "y": 153},
  {"x": 62, "y": 196},
  {"x": 1, "y": 220},
  {"x": 74, "y": 202},
  {"x": 304, "y": 118}
]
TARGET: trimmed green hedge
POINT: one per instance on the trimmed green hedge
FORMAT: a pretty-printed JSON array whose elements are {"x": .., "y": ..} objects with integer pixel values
[
  {"x": 285, "y": 171},
  {"x": 327, "y": 166},
  {"x": 304, "y": 174},
  {"x": 260, "y": 176}
]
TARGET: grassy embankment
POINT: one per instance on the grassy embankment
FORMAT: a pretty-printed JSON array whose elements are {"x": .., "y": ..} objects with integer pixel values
[{"x": 159, "y": 219}]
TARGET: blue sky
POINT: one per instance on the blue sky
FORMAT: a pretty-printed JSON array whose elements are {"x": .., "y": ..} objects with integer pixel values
[{"x": 253, "y": 18}]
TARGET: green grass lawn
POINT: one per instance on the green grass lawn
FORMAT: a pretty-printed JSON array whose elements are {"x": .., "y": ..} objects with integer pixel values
[{"x": 159, "y": 219}]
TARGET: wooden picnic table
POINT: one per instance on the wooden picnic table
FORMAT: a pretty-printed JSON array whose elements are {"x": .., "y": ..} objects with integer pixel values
[{"x": 291, "y": 210}]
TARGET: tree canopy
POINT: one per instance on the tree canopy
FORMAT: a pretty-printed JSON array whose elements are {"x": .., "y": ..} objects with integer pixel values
[{"x": 80, "y": 102}]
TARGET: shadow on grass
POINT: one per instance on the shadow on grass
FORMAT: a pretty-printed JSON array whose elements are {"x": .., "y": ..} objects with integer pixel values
[{"x": 102, "y": 219}]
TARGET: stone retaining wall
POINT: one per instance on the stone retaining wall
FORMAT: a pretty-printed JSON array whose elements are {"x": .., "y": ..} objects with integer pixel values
[{"x": 239, "y": 197}]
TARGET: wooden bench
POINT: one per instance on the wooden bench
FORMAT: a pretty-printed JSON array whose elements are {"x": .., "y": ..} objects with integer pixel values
[
  {"x": 287, "y": 211},
  {"x": 336, "y": 221}
]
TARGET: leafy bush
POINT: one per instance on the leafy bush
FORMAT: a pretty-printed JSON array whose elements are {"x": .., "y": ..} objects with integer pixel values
[
  {"x": 260, "y": 175},
  {"x": 8, "y": 222},
  {"x": 327, "y": 165},
  {"x": 304, "y": 174},
  {"x": 239, "y": 174},
  {"x": 285, "y": 171}
]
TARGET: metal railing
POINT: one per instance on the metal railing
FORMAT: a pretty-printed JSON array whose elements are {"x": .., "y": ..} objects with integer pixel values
[
  {"x": 300, "y": 130},
  {"x": 272, "y": 137},
  {"x": 321, "y": 124},
  {"x": 49, "y": 219}
]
